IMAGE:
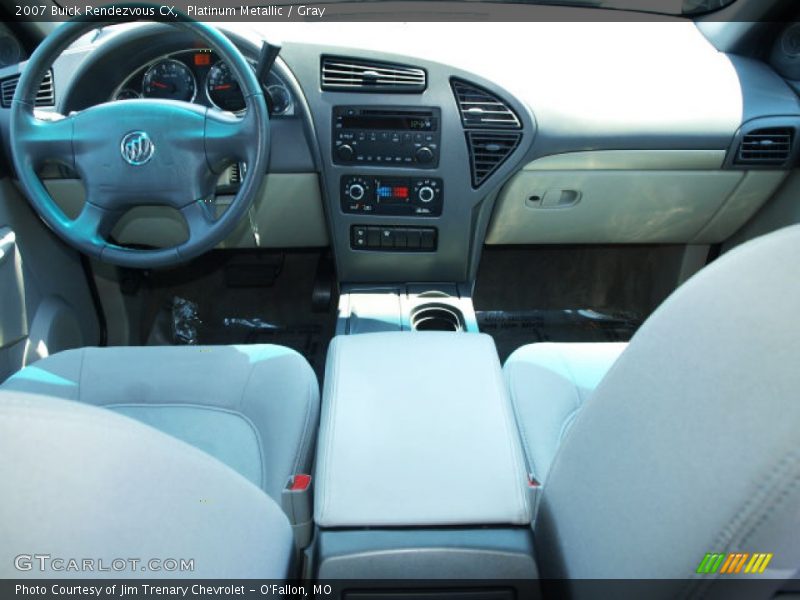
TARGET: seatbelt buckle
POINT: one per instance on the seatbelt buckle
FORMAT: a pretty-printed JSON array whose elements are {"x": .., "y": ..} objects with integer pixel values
[
  {"x": 296, "y": 503},
  {"x": 534, "y": 496}
]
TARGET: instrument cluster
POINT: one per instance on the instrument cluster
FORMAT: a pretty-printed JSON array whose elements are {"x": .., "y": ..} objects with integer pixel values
[{"x": 199, "y": 76}]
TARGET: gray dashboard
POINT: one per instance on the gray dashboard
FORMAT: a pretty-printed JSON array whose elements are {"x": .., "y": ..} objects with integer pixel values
[{"x": 643, "y": 87}]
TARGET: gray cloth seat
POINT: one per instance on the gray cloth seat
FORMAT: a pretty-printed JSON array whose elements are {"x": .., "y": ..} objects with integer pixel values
[
  {"x": 82, "y": 482},
  {"x": 683, "y": 443},
  {"x": 253, "y": 407},
  {"x": 549, "y": 383}
]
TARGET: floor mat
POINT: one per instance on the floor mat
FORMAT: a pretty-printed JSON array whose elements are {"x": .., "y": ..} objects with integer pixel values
[
  {"x": 513, "y": 329},
  {"x": 216, "y": 312}
]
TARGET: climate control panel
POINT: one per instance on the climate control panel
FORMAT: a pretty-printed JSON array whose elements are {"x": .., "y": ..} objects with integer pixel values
[{"x": 407, "y": 196}]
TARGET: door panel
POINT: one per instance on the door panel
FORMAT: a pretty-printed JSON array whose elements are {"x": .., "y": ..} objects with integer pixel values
[{"x": 45, "y": 302}]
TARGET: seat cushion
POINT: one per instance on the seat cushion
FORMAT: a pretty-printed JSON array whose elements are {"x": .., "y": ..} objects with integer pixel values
[
  {"x": 82, "y": 482},
  {"x": 549, "y": 383},
  {"x": 253, "y": 407}
]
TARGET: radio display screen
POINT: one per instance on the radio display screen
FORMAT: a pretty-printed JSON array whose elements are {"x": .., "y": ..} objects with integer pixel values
[{"x": 402, "y": 123}]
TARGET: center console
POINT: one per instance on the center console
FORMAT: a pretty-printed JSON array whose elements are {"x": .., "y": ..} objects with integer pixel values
[
  {"x": 410, "y": 162},
  {"x": 426, "y": 457}
]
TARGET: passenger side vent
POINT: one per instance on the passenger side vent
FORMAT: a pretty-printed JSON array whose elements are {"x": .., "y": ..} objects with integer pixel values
[
  {"x": 772, "y": 146},
  {"x": 480, "y": 108},
  {"x": 482, "y": 111},
  {"x": 487, "y": 151},
  {"x": 46, "y": 96},
  {"x": 345, "y": 74}
]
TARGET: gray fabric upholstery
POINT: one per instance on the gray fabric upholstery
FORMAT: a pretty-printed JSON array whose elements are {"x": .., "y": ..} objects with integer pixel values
[
  {"x": 690, "y": 443},
  {"x": 253, "y": 407},
  {"x": 549, "y": 383},
  {"x": 417, "y": 429},
  {"x": 81, "y": 482}
]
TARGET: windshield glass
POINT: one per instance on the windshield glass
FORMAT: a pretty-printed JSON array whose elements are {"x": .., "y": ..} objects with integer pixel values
[{"x": 665, "y": 7}]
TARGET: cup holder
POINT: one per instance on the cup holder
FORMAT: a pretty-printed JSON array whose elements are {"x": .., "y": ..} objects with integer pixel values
[
  {"x": 433, "y": 294},
  {"x": 437, "y": 317}
]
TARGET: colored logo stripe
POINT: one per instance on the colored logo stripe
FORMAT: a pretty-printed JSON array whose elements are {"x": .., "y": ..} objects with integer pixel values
[
  {"x": 710, "y": 563},
  {"x": 758, "y": 564},
  {"x": 733, "y": 563}
]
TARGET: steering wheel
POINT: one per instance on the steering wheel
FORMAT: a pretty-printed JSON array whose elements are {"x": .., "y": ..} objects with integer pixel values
[{"x": 141, "y": 152}]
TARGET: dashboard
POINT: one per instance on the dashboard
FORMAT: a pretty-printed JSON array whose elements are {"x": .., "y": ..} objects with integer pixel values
[
  {"x": 407, "y": 160},
  {"x": 198, "y": 75}
]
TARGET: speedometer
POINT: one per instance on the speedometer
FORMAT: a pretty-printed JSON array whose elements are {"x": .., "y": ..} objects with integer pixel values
[
  {"x": 169, "y": 79},
  {"x": 223, "y": 90}
]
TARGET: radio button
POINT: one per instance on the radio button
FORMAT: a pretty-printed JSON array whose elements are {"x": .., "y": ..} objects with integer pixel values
[
  {"x": 345, "y": 152},
  {"x": 424, "y": 155}
]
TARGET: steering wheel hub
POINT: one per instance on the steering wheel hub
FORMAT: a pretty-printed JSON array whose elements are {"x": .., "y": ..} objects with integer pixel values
[{"x": 137, "y": 148}]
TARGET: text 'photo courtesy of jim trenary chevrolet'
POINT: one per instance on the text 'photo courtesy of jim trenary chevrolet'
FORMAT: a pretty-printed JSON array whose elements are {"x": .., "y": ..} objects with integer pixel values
[{"x": 400, "y": 300}]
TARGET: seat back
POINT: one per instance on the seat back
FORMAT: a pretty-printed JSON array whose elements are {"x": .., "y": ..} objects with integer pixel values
[
  {"x": 81, "y": 482},
  {"x": 691, "y": 443}
]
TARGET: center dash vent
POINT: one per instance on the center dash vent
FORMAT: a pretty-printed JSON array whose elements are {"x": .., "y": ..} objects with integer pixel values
[
  {"x": 487, "y": 151},
  {"x": 480, "y": 108},
  {"x": 346, "y": 74},
  {"x": 46, "y": 96},
  {"x": 771, "y": 146}
]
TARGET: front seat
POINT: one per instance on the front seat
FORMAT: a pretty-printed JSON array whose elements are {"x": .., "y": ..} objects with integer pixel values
[
  {"x": 87, "y": 492},
  {"x": 683, "y": 443},
  {"x": 254, "y": 408}
]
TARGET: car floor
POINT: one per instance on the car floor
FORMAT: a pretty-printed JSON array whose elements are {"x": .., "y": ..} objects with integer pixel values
[
  {"x": 522, "y": 295},
  {"x": 525, "y": 295},
  {"x": 243, "y": 298}
]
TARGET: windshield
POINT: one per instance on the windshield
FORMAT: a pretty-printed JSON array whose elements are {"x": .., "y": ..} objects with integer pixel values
[{"x": 664, "y": 7}]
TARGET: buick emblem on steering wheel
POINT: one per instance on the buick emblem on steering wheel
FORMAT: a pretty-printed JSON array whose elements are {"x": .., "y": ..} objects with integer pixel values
[{"x": 137, "y": 148}]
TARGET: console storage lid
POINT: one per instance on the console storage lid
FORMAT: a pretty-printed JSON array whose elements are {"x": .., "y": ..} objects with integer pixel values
[{"x": 417, "y": 430}]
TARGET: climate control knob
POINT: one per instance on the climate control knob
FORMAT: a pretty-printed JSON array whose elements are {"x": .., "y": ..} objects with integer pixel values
[
  {"x": 356, "y": 191},
  {"x": 426, "y": 194},
  {"x": 424, "y": 155}
]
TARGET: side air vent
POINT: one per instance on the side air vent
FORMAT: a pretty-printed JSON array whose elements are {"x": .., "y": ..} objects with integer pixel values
[
  {"x": 345, "y": 74},
  {"x": 772, "y": 146},
  {"x": 46, "y": 96},
  {"x": 236, "y": 174},
  {"x": 487, "y": 151},
  {"x": 480, "y": 108}
]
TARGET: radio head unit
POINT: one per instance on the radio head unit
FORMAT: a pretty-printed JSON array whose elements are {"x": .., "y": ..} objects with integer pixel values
[{"x": 386, "y": 136}]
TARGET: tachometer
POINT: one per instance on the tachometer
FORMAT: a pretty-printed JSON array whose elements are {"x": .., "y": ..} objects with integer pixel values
[
  {"x": 169, "y": 79},
  {"x": 223, "y": 90}
]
